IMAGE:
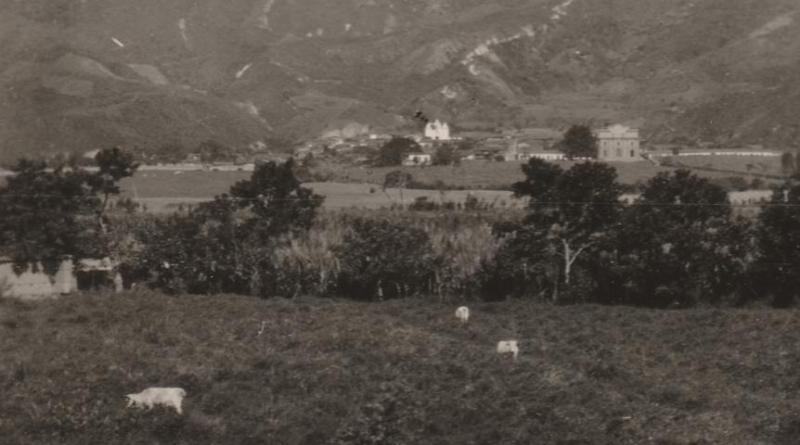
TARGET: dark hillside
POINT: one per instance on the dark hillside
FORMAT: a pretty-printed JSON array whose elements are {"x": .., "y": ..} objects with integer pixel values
[
  {"x": 79, "y": 75},
  {"x": 399, "y": 372}
]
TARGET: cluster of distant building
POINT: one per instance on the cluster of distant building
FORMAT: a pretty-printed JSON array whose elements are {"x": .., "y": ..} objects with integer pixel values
[
  {"x": 616, "y": 143},
  {"x": 354, "y": 143}
]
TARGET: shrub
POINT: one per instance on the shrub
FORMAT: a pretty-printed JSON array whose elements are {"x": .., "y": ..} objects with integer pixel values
[
  {"x": 393, "y": 152},
  {"x": 422, "y": 204},
  {"x": 226, "y": 245},
  {"x": 446, "y": 155},
  {"x": 521, "y": 266},
  {"x": 307, "y": 264},
  {"x": 461, "y": 252},
  {"x": 381, "y": 260},
  {"x": 397, "y": 179}
]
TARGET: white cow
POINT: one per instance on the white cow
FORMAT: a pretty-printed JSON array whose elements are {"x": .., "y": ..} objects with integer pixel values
[
  {"x": 508, "y": 347},
  {"x": 462, "y": 314},
  {"x": 158, "y": 396}
]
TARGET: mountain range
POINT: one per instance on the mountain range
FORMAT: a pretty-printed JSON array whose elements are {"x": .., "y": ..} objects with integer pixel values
[{"x": 76, "y": 75}]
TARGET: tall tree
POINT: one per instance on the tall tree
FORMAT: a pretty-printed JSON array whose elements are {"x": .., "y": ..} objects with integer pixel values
[
  {"x": 114, "y": 165},
  {"x": 579, "y": 142},
  {"x": 778, "y": 261},
  {"x": 394, "y": 152},
  {"x": 574, "y": 210},
  {"x": 45, "y": 214},
  {"x": 277, "y": 199},
  {"x": 679, "y": 244}
]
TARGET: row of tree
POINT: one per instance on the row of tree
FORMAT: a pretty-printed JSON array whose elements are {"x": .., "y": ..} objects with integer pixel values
[{"x": 679, "y": 243}]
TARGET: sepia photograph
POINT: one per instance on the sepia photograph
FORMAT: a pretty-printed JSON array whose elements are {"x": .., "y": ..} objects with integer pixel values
[{"x": 399, "y": 222}]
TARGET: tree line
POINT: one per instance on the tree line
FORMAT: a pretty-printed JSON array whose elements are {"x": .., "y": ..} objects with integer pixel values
[{"x": 679, "y": 244}]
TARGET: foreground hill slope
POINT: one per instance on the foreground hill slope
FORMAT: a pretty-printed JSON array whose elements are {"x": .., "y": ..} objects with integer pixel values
[
  {"x": 85, "y": 73},
  {"x": 313, "y": 372}
]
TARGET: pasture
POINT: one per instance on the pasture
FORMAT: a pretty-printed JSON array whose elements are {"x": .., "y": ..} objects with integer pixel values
[
  {"x": 477, "y": 174},
  {"x": 743, "y": 165},
  {"x": 313, "y": 371},
  {"x": 164, "y": 191}
]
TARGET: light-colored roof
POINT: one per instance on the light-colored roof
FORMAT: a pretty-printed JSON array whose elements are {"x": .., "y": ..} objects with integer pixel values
[{"x": 617, "y": 131}]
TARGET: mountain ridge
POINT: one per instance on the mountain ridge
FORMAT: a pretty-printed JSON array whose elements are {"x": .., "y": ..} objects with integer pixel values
[{"x": 78, "y": 75}]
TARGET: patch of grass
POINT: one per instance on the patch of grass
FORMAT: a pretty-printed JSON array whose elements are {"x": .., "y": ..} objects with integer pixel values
[
  {"x": 324, "y": 371},
  {"x": 345, "y": 196},
  {"x": 743, "y": 164},
  {"x": 469, "y": 175}
]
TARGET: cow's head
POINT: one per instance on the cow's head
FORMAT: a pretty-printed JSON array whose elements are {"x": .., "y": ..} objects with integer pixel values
[{"x": 131, "y": 400}]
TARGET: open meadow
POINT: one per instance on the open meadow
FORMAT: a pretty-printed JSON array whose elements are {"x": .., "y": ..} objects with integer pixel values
[
  {"x": 324, "y": 371},
  {"x": 164, "y": 191},
  {"x": 478, "y": 174},
  {"x": 744, "y": 164}
]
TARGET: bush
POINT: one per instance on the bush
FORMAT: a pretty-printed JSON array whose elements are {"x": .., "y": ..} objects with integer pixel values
[
  {"x": 422, "y": 204},
  {"x": 446, "y": 155},
  {"x": 520, "y": 268},
  {"x": 307, "y": 264},
  {"x": 227, "y": 245},
  {"x": 393, "y": 152},
  {"x": 461, "y": 252},
  {"x": 180, "y": 256},
  {"x": 382, "y": 260}
]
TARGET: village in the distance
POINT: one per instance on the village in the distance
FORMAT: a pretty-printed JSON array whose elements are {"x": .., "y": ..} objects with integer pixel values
[{"x": 356, "y": 144}]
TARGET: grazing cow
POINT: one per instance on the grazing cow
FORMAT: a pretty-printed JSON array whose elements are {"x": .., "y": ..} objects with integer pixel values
[
  {"x": 158, "y": 396},
  {"x": 508, "y": 347},
  {"x": 462, "y": 314}
]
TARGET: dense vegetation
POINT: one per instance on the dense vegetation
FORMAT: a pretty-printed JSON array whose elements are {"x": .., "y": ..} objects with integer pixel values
[
  {"x": 46, "y": 214},
  {"x": 579, "y": 142},
  {"x": 679, "y": 244}
]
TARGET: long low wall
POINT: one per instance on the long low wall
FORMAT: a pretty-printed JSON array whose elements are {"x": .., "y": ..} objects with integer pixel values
[
  {"x": 735, "y": 198},
  {"x": 762, "y": 154}
]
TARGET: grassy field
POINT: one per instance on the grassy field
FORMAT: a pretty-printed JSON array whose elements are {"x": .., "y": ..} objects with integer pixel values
[
  {"x": 191, "y": 184},
  {"x": 478, "y": 174},
  {"x": 400, "y": 372},
  {"x": 743, "y": 164},
  {"x": 165, "y": 191}
]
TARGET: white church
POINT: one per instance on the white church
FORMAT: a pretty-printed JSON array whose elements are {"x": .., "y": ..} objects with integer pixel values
[{"x": 437, "y": 131}]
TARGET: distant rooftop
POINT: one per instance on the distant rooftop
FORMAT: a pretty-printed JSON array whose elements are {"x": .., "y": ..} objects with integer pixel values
[{"x": 618, "y": 131}]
